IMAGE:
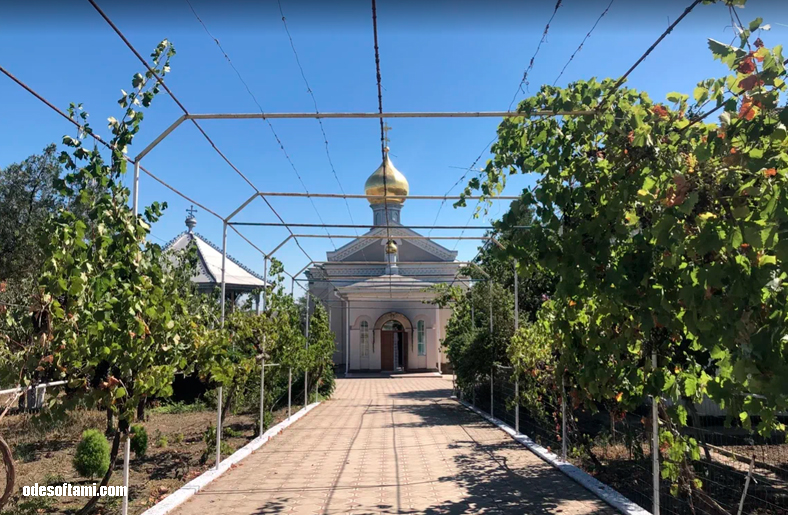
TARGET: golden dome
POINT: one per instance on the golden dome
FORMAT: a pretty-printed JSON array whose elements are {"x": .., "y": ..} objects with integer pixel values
[
  {"x": 391, "y": 247},
  {"x": 396, "y": 188}
]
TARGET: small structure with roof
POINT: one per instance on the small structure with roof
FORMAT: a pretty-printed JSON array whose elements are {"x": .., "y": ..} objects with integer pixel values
[{"x": 239, "y": 279}]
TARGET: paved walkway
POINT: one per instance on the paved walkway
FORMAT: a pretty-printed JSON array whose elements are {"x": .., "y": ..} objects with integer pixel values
[{"x": 393, "y": 445}]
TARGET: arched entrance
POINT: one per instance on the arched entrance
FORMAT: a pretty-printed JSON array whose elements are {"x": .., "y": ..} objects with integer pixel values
[{"x": 395, "y": 329}]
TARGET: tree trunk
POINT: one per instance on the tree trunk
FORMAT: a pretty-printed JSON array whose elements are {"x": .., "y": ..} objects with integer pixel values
[
  {"x": 141, "y": 410},
  {"x": 228, "y": 401},
  {"x": 696, "y": 425},
  {"x": 10, "y": 472},
  {"x": 113, "y": 456},
  {"x": 110, "y": 423}
]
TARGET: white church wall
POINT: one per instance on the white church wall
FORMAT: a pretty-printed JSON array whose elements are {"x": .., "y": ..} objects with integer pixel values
[{"x": 414, "y": 311}]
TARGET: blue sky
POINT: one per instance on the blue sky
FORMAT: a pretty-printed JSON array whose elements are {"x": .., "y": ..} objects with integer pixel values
[{"x": 435, "y": 56}]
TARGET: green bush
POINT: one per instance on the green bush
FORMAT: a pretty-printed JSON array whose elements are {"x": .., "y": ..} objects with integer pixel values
[
  {"x": 161, "y": 440},
  {"x": 92, "y": 456},
  {"x": 209, "y": 437},
  {"x": 178, "y": 438},
  {"x": 139, "y": 440}
]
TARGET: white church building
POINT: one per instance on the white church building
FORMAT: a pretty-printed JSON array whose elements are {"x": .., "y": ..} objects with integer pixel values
[{"x": 376, "y": 288}]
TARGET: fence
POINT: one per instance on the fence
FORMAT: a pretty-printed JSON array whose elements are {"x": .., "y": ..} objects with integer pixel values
[{"x": 741, "y": 472}]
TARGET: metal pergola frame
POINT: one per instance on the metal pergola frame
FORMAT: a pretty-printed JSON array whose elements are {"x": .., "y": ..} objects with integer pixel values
[{"x": 379, "y": 115}]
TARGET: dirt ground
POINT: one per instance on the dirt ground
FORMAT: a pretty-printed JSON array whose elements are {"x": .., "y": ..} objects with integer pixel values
[{"x": 44, "y": 453}]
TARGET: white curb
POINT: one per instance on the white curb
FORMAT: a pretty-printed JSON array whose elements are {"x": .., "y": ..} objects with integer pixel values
[
  {"x": 598, "y": 488},
  {"x": 180, "y": 496}
]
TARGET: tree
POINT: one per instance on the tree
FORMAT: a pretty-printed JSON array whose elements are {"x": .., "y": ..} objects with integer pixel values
[
  {"x": 320, "y": 352},
  {"x": 666, "y": 232},
  {"x": 472, "y": 346},
  {"x": 28, "y": 196},
  {"x": 105, "y": 319}
]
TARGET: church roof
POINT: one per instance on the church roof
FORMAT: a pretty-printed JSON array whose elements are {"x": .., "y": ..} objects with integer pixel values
[
  {"x": 388, "y": 283},
  {"x": 395, "y": 230},
  {"x": 209, "y": 273}
]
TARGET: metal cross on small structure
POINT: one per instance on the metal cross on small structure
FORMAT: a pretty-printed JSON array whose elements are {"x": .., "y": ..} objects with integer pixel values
[
  {"x": 386, "y": 139},
  {"x": 191, "y": 211}
]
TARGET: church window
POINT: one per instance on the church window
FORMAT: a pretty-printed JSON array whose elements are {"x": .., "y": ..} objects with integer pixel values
[
  {"x": 364, "y": 334},
  {"x": 422, "y": 338}
]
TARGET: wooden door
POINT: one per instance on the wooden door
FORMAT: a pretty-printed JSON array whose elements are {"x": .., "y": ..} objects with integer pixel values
[{"x": 386, "y": 350}]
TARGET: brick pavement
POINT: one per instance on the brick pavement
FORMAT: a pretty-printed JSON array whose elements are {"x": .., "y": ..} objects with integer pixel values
[{"x": 393, "y": 445}]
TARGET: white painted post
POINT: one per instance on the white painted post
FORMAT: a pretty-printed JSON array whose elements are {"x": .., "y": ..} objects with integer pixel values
[
  {"x": 126, "y": 458},
  {"x": 219, "y": 396},
  {"x": 492, "y": 370},
  {"x": 135, "y": 189},
  {"x": 262, "y": 366},
  {"x": 473, "y": 393},
  {"x": 265, "y": 282},
  {"x": 492, "y": 390},
  {"x": 517, "y": 406},
  {"x": 746, "y": 485},
  {"x": 289, "y": 390},
  {"x": 224, "y": 267},
  {"x": 655, "y": 443},
  {"x": 262, "y": 395},
  {"x": 306, "y": 371},
  {"x": 218, "y": 427},
  {"x": 516, "y": 377},
  {"x": 563, "y": 418},
  {"x": 347, "y": 337}
]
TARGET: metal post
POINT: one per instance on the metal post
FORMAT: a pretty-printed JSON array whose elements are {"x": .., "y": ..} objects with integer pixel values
[
  {"x": 135, "y": 189},
  {"x": 306, "y": 371},
  {"x": 262, "y": 395},
  {"x": 516, "y": 300},
  {"x": 491, "y": 302},
  {"x": 746, "y": 485},
  {"x": 473, "y": 309},
  {"x": 516, "y": 328},
  {"x": 289, "y": 390},
  {"x": 219, "y": 428},
  {"x": 219, "y": 396},
  {"x": 492, "y": 390},
  {"x": 265, "y": 282},
  {"x": 473, "y": 393},
  {"x": 655, "y": 442},
  {"x": 517, "y": 406},
  {"x": 126, "y": 458},
  {"x": 492, "y": 370},
  {"x": 563, "y": 418},
  {"x": 224, "y": 266},
  {"x": 347, "y": 337}
]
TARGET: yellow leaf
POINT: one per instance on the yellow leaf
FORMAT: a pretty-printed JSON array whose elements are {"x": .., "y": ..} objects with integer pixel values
[{"x": 706, "y": 216}]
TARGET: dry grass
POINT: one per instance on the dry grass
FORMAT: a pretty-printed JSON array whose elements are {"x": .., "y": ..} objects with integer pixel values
[{"x": 44, "y": 451}]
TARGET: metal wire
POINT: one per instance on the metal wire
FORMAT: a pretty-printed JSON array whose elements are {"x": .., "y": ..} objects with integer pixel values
[
  {"x": 262, "y": 112},
  {"x": 317, "y": 112},
  {"x": 580, "y": 47},
  {"x": 647, "y": 52},
  {"x": 524, "y": 80}
]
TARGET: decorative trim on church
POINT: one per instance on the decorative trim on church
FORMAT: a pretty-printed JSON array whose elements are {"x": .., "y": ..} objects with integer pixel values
[{"x": 351, "y": 248}]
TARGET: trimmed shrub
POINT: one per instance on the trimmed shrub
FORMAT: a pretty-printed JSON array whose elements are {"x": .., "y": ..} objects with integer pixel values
[
  {"x": 139, "y": 440},
  {"x": 92, "y": 456}
]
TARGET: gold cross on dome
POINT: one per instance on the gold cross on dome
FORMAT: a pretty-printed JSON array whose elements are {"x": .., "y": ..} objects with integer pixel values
[{"x": 386, "y": 130}]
